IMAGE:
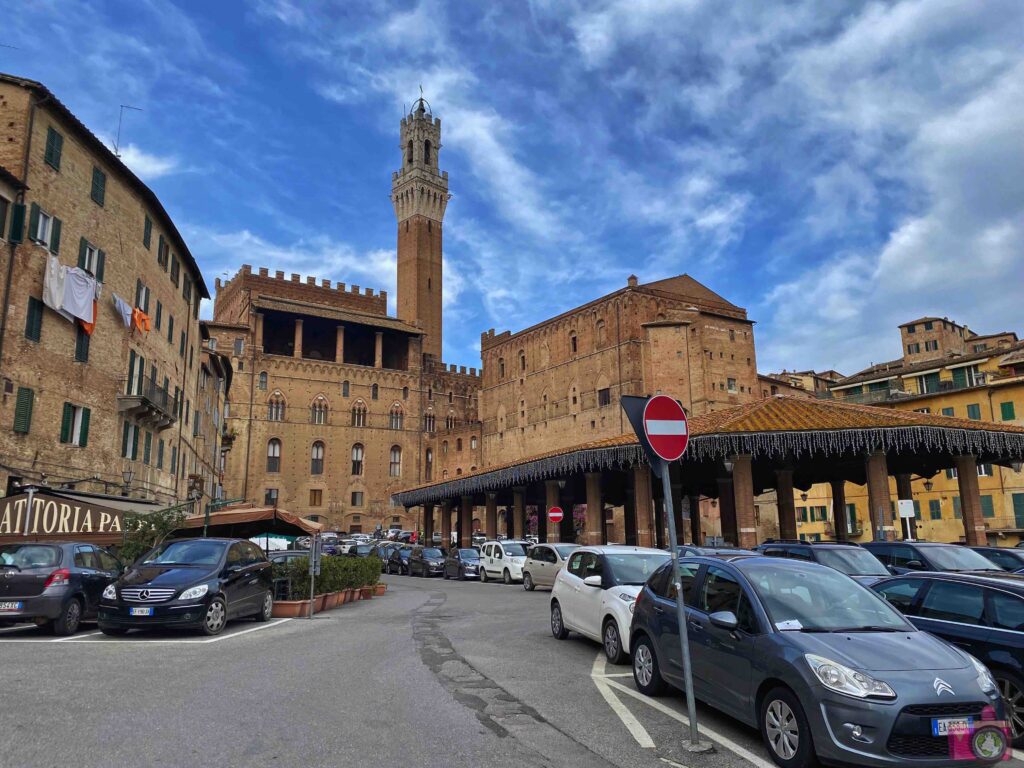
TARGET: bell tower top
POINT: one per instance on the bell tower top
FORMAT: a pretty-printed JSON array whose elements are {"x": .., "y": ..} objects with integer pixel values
[{"x": 419, "y": 187}]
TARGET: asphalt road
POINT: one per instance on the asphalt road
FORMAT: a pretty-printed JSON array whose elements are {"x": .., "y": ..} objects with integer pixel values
[{"x": 435, "y": 673}]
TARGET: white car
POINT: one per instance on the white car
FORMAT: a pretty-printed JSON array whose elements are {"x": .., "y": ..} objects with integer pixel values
[
  {"x": 543, "y": 562},
  {"x": 503, "y": 560},
  {"x": 595, "y": 593}
]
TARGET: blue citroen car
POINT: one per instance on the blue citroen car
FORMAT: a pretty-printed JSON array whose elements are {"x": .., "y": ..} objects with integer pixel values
[{"x": 825, "y": 668}]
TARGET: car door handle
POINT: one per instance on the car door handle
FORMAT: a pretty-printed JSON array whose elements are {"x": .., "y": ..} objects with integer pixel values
[
  {"x": 696, "y": 626},
  {"x": 658, "y": 609}
]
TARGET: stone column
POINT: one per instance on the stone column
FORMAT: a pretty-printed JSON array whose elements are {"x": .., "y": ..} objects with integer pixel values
[
  {"x": 518, "y": 513},
  {"x": 339, "y": 344},
  {"x": 743, "y": 496},
  {"x": 551, "y": 499},
  {"x": 905, "y": 490},
  {"x": 970, "y": 500},
  {"x": 879, "y": 503},
  {"x": 786, "y": 503},
  {"x": 446, "y": 524},
  {"x": 727, "y": 510},
  {"x": 677, "y": 513},
  {"x": 695, "y": 533},
  {"x": 491, "y": 521},
  {"x": 839, "y": 509},
  {"x": 259, "y": 332},
  {"x": 644, "y": 506},
  {"x": 378, "y": 350},
  {"x": 595, "y": 510},
  {"x": 297, "y": 351},
  {"x": 466, "y": 522},
  {"x": 428, "y": 524},
  {"x": 629, "y": 525}
]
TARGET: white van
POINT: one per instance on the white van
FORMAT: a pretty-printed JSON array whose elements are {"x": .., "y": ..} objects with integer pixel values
[{"x": 503, "y": 560}]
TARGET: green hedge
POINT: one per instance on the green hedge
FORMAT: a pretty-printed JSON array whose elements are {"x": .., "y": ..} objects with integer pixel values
[{"x": 336, "y": 573}]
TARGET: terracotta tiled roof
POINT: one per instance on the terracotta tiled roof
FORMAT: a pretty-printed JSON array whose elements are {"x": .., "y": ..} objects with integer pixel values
[
  {"x": 899, "y": 368},
  {"x": 333, "y": 313}
]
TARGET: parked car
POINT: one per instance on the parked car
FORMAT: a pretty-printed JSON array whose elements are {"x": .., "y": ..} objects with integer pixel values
[
  {"x": 543, "y": 562},
  {"x": 193, "y": 583},
  {"x": 287, "y": 556},
  {"x": 502, "y": 559},
  {"x": 462, "y": 563},
  {"x": 983, "y": 615},
  {"x": 907, "y": 556},
  {"x": 398, "y": 560},
  {"x": 851, "y": 559},
  {"x": 426, "y": 561},
  {"x": 594, "y": 593},
  {"x": 823, "y": 667},
  {"x": 303, "y": 542},
  {"x": 1008, "y": 558},
  {"x": 360, "y": 550},
  {"x": 690, "y": 550},
  {"x": 382, "y": 550},
  {"x": 55, "y": 584}
]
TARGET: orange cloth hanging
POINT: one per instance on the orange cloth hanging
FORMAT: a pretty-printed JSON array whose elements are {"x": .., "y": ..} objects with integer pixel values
[
  {"x": 89, "y": 327},
  {"x": 140, "y": 320}
]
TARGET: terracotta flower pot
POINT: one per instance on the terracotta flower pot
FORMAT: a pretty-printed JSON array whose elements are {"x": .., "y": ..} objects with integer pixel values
[
  {"x": 318, "y": 603},
  {"x": 367, "y": 593},
  {"x": 379, "y": 589},
  {"x": 331, "y": 600},
  {"x": 353, "y": 595},
  {"x": 290, "y": 609}
]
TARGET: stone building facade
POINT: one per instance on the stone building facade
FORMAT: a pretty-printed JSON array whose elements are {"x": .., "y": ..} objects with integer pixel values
[{"x": 84, "y": 409}]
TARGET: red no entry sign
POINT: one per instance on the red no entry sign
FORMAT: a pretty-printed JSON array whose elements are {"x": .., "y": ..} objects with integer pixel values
[
  {"x": 555, "y": 514},
  {"x": 665, "y": 427}
]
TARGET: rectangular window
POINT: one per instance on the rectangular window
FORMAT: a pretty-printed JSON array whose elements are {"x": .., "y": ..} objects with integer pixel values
[
  {"x": 141, "y": 296},
  {"x": 129, "y": 441},
  {"x": 984, "y": 470},
  {"x": 357, "y": 498},
  {"x": 732, "y": 385},
  {"x": 91, "y": 259},
  {"x": 99, "y": 186},
  {"x": 5, "y": 206},
  {"x": 911, "y": 329},
  {"x": 947, "y": 411},
  {"x": 34, "y": 319},
  {"x": 174, "y": 459},
  {"x": 147, "y": 233},
  {"x": 604, "y": 396},
  {"x": 913, "y": 349},
  {"x": 81, "y": 345},
  {"x": 181, "y": 345},
  {"x": 147, "y": 447},
  {"x": 851, "y": 518},
  {"x": 1018, "y": 510},
  {"x": 951, "y": 473},
  {"x": 175, "y": 270},
  {"x": 931, "y": 346},
  {"x": 928, "y": 325},
  {"x": 54, "y": 148},
  {"x": 986, "y": 507},
  {"x": 74, "y": 425},
  {"x": 163, "y": 253},
  {"x": 973, "y": 411},
  {"x": 934, "y": 509},
  {"x": 159, "y": 314},
  {"x": 170, "y": 329},
  {"x": 316, "y": 497},
  {"x": 957, "y": 513},
  {"x": 239, "y": 347},
  {"x": 1006, "y": 412},
  {"x": 160, "y": 454},
  {"x": 186, "y": 290},
  {"x": 270, "y": 497},
  {"x": 23, "y": 410},
  {"x": 44, "y": 228}
]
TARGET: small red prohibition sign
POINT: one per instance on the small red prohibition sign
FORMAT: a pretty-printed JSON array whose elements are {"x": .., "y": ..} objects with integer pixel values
[
  {"x": 665, "y": 427},
  {"x": 555, "y": 514}
]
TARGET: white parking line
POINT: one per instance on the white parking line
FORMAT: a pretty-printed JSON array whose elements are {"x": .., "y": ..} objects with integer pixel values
[
  {"x": 637, "y": 731},
  {"x": 75, "y": 637},
  {"x": 716, "y": 737},
  {"x": 140, "y": 642}
]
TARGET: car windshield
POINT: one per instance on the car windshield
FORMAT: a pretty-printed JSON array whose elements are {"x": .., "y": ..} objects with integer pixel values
[
  {"x": 855, "y": 562},
  {"x": 193, "y": 552},
  {"x": 810, "y": 598},
  {"x": 957, "y": 558},
  {"x": 405, "y": 551},
  {"x": 29, "y": 556},
  {"x": 633, "y": 568},
  {"x": 432, "y": 552},
  {"x": 514, "y": 550},
  {"x": 564, "y": 550},
  {"x": 469, "y": 554},
  {"x": 363, "y": 549}
]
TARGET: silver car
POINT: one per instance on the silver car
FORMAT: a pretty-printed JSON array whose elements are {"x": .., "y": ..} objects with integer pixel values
[
  {"x": 822, "y": 666},
  {"x": 543, "y": 562}
]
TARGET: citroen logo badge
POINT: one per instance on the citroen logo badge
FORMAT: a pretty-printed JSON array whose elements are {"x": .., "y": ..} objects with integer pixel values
[
  {"x": 144, "y": 595},
  {"x": 941, "y": 687}
]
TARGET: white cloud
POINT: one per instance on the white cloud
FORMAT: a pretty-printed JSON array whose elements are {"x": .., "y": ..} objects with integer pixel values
[{"x": 148, "y": 166}]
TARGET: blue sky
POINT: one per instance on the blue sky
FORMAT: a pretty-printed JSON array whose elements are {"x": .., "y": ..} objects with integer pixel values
[{"x": 835, "y": 168}]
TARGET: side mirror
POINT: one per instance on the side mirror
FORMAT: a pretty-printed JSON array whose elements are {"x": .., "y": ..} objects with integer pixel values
[
  {"x": 892, "y": 570},
  {"x": 592, "y": 581},
  {"x": 915, "y": 565},
  {"x": 724, "y": 620}
]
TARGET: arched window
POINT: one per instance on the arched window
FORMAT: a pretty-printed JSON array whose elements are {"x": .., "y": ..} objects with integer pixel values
[
  {"x": 451, "y": 397},
  {"x": 357, "y": 459},
  {"x": 426, "y": 151},
  {"x": 318, "y": 411},
  {"x": 501, "y": 367},
  {"x": 275, "y": 408},
  {"x": 359, "y": 414},
  {"x": 573, "y": 345},
  {"x": 429, "y": 465},
  {"x": 405, "y": 393},
  {"x": 444, "y": 474},
  {"x": 458, "y": 444},
  {"x": 263, "y": 379},
  {"x": 374, "y": 391},
  {"x": 458, "y": 471},
  {"x": 601, "y": 334},
  {"x": 213, "y": 344},
  {"x": 444, "y": 448},
  {"x": 430, "y": 393},
  {"x": 344, "y": 387},
  {"x": 472, "y": 442},
  {"x": 396, "y": 417},
  {"x": 408, "y": 153},
  {"x": 522, "y": 360},
  {"x": 395, "y": 464},
  {"x": 449, "y": 422},
  {"x": 428, "y": 421},
  {"x": 316, "y": 459},
  {"x": 274, "y": 455}
]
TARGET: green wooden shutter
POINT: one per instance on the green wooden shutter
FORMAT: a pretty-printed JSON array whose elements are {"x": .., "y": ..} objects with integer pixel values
[
  {"x": 987, "y": 509},
  {"x": 917, "y": 509},
  {"x": 81, "y": 345},
  {"x": 138, "y": 291},
  {"x": 1006, "y": 412},
  {"x": 99, "y": 186},
  {"x": 33, "y": 222},
  {"x": 160, "y": 454},
  {"x": 34, "y": 319},
  {"x": 947, "y": 411},
  {"x": 83, "y": 436},
  {"x": 147, "y": 234},
  {"x": 1018, "y": 509},
  {"x": 131, "y": 371},
  {"x": 959, "y": 378},
  {"x": 147, "y": 447},
  {"x": 124, "y": 441},
  {"x": 67, "y": 419},
  {"x": 934, "y": 509},
  {"x": 83, "y": 249},
  {"x": 135, "y": 444},
  {"x": 16, "y": 235},
  {"x": 974, "y": 411},
  {"x": 101, "y": 264},
  {"x": 145, "y": 307},
  {"x": 54, "y": 147},
  {"x": 55, "y": 228},
  {"x": 159, "y": 313},
  {"x": 23, "y": 410},
  {"x": 957, "y": 513}
]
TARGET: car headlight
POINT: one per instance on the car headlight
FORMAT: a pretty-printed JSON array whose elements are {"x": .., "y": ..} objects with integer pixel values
[
  {"x": 110, "y": 593},
  {"x": 628, "y": 598},
  {"x": 841, "y": 679},
  {"x": 194, "y": 592},
  {"x": 985, "y": 679}
]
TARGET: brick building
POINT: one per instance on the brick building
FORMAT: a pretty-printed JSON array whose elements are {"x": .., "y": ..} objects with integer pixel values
[{"x": 83, "y": 409}]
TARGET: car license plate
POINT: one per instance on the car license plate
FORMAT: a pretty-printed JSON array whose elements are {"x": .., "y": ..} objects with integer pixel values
[
  {"x": 9, "y": 606},
  {"x": 142, "y": 612},
  {"x": 945, "y": 726}
]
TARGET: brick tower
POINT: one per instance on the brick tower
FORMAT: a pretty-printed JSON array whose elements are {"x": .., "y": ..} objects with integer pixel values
[{"x": 420, "y": 194}]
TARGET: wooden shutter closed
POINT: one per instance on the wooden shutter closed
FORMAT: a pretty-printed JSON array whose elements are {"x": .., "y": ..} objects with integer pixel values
[
  {"x": 67, "y": 420},
  {"x": 55, "y": 227},
  {"x": 16, "y": 235},
  {"x": 101, "y": 264},
  {"x": 23, "y": 410},
  {"x": 83, "y": 435},
  {"x": 33, "y": 222}
]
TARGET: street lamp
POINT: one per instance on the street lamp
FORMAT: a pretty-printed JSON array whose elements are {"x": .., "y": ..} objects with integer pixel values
[
  {"x": 127, "y": 476},
  {"x": 728, "y": 465},
  {"x": 803, "y": 496},
  {"x": 928, "y": 484}
]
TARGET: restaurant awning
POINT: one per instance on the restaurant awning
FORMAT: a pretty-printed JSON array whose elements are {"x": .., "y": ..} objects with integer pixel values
[{"x": 248, "y": 521}]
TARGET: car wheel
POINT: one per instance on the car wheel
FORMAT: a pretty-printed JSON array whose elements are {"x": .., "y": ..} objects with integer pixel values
[
  {"x": 216, "y": 617},
  {"x": 483, "y": 574},
  {"x": 785, "y": 731},
  {"x": 646, "y": 673},
  {"x": 612, "y": 642},
  {"x": 114, "y": 631},
  {"x": 506, "y": 577},
  {"x": 557, "y": 625},
  {"x": 462, "y": 574},
  {"x": 69, "y": 619},
  {"x": 444, "y": 574},
  {"x": 1012, "y": 689},
  {"x": 266, "y": 607},
  {"x": 528, "y": 584}
]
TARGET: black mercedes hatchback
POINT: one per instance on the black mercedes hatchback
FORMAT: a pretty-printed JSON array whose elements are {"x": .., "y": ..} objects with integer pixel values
[{"x": 191, "y": 583}]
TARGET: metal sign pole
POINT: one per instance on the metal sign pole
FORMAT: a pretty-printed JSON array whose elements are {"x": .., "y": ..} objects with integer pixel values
[
  {"x": 314, "y": 569},
  {"x": 684, "y": 640}
]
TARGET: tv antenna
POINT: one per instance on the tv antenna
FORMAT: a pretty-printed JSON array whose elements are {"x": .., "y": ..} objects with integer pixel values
[{"x": 120, "y": 119}]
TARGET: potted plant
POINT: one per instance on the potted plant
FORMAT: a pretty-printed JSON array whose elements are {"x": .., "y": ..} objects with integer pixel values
[{"x": 299, "y": 588}]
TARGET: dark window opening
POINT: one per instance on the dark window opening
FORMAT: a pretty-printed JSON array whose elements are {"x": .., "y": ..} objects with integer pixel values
[
  {"x": 408, "y": 153},
  {"x": 319, "y": 338},
  {"x": 426, "y": 152},
  {"x": 395, "y": 352},
  {"x": 278, "y": 333},
  {"x": 360, "y": 345}
]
